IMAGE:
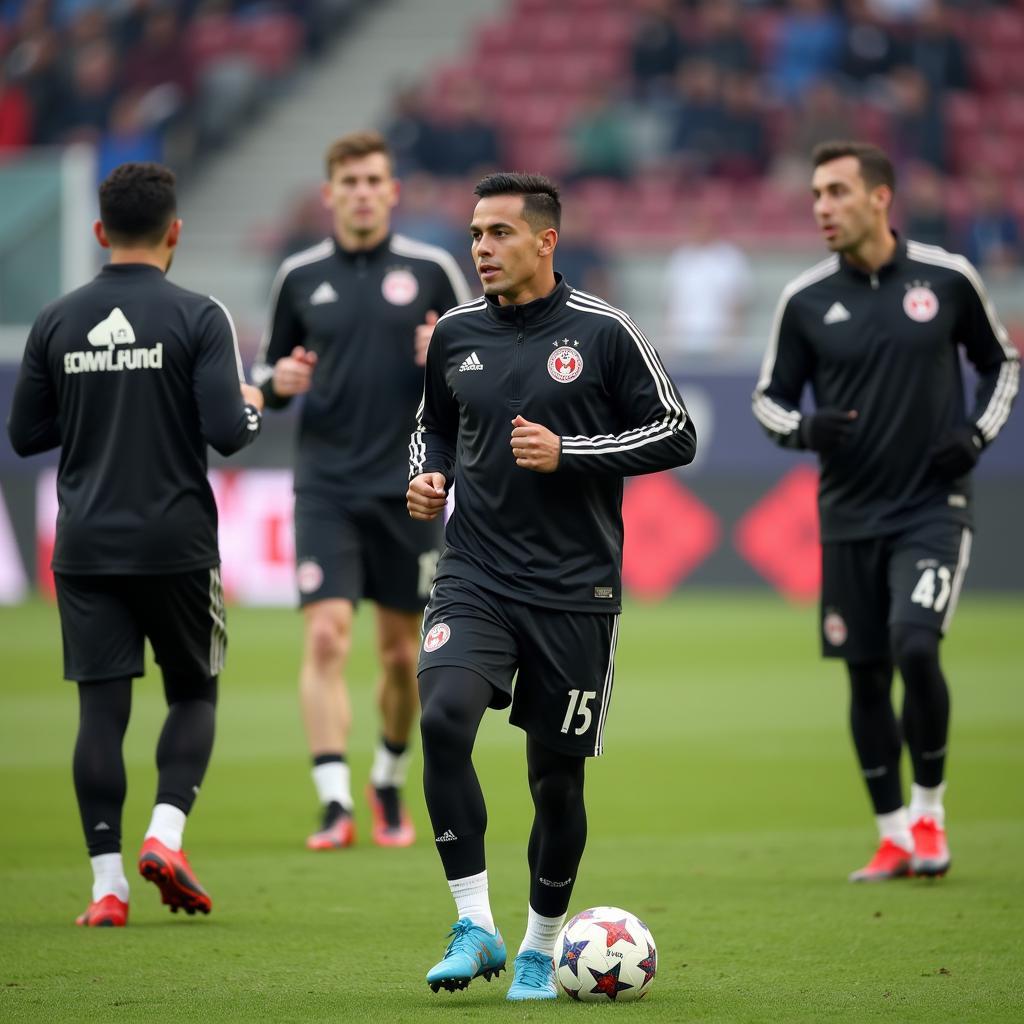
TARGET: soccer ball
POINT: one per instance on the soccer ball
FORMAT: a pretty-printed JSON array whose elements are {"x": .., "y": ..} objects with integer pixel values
[{"x": 603, "y": 954}]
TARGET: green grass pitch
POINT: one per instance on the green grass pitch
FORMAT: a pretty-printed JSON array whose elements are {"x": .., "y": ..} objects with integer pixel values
[{"x": 726, "y": 812}]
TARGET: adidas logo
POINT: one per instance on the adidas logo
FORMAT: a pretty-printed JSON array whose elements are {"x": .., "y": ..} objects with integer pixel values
[
  {"x": 101, "y": 827},
  {"x": 471, "y": 362},
  {"x": 447, "y": 837},
  {"x": 323, "y": 293},
  {"x": 837, "y": 313}
]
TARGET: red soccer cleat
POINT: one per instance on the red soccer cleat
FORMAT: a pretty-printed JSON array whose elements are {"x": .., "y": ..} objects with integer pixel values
[
  {"x": 890, "y": 861},
  {"x": 336, "y": 836},
  {"x": 392, "y": 825},
  {"x": 931, "y": 852},
  {"x": 108, "y": 912},
  {"x": 170, "y": 872}
]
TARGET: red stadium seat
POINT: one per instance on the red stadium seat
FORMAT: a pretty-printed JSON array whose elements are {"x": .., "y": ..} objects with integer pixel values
[
  {"x": 272, "y": 40},
  {"x": 209, "y": 38},
  {"x": 1002, "y": 30}
]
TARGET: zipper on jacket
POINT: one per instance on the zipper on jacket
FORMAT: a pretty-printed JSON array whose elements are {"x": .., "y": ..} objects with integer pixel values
[
  {"x": 517, "y": 350},
  {"x": 874, "y": 282}
]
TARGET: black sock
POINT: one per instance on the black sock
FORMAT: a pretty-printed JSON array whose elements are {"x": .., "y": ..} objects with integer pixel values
[
  {"x": 334, "y": 812},
  {"x": 925, "y": 701},
  {"x": 454, "y": 701},
  {"x": 98, "y": 765},
  {"x": 186, "y": 740},
  {"x": 559, "y": 832},
  {"x": 328, "y": 759},
  {"x": 876, "y": 734},
  {"x": 398, "y": 749}
]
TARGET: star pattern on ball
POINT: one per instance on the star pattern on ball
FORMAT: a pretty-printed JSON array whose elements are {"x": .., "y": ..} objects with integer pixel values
[
  {"x": 616, "y": 930},
  {"x": 607, "y": 983},
  {"x": 649, "y": 965},
  {"x": 583, "y": 915},
  {"x": 571, "y": 954}
]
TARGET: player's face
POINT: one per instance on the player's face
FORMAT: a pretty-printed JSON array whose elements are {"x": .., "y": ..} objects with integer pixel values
[
  {"x": 506, "y": 250},
  {"x": 361, "y": 194},
  {"x": 847, "y": 211}
]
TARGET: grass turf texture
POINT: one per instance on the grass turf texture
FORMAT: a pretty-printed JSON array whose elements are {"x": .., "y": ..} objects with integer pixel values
[{"x": 726, "y": 812}]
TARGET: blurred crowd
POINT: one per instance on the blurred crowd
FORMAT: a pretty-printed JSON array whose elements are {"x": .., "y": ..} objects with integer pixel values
[
  {"x": 724, "y": 99},
  {"x": 149, "y": 79}
]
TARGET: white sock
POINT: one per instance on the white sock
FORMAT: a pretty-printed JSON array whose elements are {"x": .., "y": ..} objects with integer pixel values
[
  {"x": 167, "y": 825},
  {"x": 333, "y": 784},
  {"x": 472, "y": 900},
  {"x": 926, "y": 802},
  {"x": 896, "y": 826},
  {"x": 541, "y": 933},
  {"x": 108, "y": 877},
  {"x": 389, "y": 769}
]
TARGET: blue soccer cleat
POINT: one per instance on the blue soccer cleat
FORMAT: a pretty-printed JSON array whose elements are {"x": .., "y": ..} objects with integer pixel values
[
  {"x": 534, "y": 977},
  {"x": 472, "y": 952}
]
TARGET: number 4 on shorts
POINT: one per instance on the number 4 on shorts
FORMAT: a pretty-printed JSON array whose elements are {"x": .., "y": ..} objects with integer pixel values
[{"x": 924, "y": 593}]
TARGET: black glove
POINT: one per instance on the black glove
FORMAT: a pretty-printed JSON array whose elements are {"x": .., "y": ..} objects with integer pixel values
[
  {"x": 826, "y": 429},
  {"x": 956, "y": 452}
]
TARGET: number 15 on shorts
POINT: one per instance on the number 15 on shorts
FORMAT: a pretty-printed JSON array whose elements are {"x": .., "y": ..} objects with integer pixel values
[{"x": 579, "y": 708}]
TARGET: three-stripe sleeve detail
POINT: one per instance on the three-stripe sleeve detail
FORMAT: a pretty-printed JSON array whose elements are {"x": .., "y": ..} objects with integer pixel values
[
  {"x": 675, "y": 415},
  {"x": 261, "y": 370},
  {"x": 1008, "y": 382},
  {"x": 769, "y": 413}
]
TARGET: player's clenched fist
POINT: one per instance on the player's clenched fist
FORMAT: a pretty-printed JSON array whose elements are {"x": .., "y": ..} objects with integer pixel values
[
  {"x": 426, "y": 496},
  {"x": 293, "y": 375},
  {"x": 535, "y": 447},
  {"x": 424, "y": 332}
]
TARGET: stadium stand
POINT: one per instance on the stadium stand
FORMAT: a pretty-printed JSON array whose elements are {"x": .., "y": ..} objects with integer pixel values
[
  {"x": 151, "y": 80},
  {"x": 722, "y": 100}
]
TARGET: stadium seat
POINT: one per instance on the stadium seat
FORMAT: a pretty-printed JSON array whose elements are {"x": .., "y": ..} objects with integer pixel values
[
  {"x": 272, "y": 40},
  {"x": 211, "y": 37}
]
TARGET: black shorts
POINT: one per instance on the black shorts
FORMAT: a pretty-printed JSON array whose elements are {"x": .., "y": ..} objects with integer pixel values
[
  {"x": 366, "y": 547},
  {"x": 105, "y": 621},
  {"x": 868, "y": 586},
  {"x": 565, "y": 660}
]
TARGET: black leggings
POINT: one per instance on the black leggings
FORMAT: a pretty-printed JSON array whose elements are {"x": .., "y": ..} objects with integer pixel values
[
  {"x": 454, "y": 701},
  {"x": 182, "y": 753},
  {"x": 876, "y": 731}
]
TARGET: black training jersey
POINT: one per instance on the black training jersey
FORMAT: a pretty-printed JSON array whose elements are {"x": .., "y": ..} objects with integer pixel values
[
  {"x": 581, "y": 368},
  {"x": 132, "y": 377},
  {"x": 887, "y": 345},
  {"x": 359, "y": 312}
]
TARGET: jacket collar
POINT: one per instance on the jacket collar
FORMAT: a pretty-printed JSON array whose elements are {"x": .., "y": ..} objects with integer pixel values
[
  {"x": 899, "y": 258},
  {"x": 529, "y": 313},
  {"x": 351, "y": 255}
]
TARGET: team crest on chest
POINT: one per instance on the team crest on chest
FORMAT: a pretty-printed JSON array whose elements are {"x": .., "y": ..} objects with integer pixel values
[
  {"x": 565, "y": 364},
  {"x": 920, "y": 303},
  {"x": 400, "y": 287}
]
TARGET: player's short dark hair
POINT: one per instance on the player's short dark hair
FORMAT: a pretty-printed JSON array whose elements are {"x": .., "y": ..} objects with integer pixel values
[
  {"x": 137, "y": 203},
  {"x": 875, "y": 166},
  {"x": 353, "y": 146},
  {"x": 542, "y": 207}
]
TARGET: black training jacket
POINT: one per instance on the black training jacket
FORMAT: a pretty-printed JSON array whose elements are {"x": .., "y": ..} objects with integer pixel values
[
  {"x": 359, "y": 312},
  {"x": 887, "y": 345},
  {"x": 132, "y": 377},
  {"x": 581, "y": 368}
]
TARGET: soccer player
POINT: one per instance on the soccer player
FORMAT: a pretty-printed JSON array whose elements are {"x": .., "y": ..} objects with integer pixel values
[
  {"x": 132, "y": 377},
  {"x": 538, "y": 400},
  {"x": 876, "y": 330},
  {"x": 350, "y": 320}
]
